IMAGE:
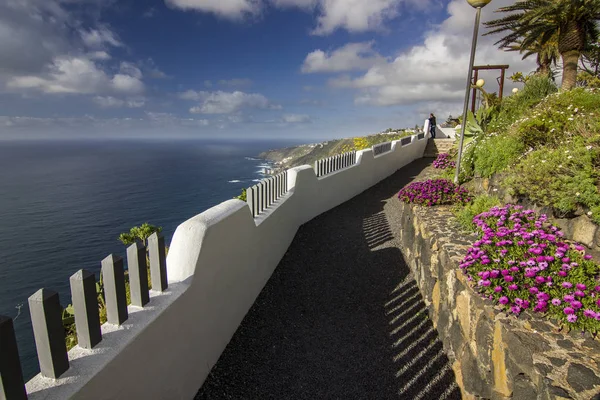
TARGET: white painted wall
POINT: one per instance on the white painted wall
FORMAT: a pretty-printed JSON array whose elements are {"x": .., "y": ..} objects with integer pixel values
[{"x": 218, "y": 263}]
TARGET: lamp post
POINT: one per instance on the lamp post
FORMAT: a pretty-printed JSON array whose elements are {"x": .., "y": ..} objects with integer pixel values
[{"x": 478, "y": 4}]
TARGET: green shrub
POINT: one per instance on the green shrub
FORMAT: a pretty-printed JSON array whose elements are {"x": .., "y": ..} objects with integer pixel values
[
  {"x": 514, "y": 107},
  {"x": 495, "y": 153},
  {"x": 563, "y": 178},
  {"x": 242, "y": 196},
  {"x": 464, "y": 215}
]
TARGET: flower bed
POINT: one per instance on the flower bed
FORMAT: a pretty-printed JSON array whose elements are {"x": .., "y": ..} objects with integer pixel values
[
  {"x": 434, "y": 192},
  {"x": 522, "y": 262},
  {"x": 443, "y": 161}
]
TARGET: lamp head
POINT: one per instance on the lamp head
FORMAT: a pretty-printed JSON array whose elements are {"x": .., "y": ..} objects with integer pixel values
[
  {"x": 480, "y": 83},
  {"x": 478, "y": 3}
]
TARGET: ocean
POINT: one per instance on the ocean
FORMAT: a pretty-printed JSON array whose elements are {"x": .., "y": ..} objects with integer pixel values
[{"x": 63, "y": 205}]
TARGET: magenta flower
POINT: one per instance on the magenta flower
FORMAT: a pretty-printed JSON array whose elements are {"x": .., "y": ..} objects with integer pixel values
[
  {"x": 498, "y": 289},
  {"x": 572, "y": 318},
  {"x": 568, "y": 310},
  {"x": 567, "y": 285},
  {"x": 533, "y": 290},
  {"x": 581, "y": 286},
  {"x": 515, "y": 309},
  {"x": 576, "y": 304},
  {"x": 513, "y": 287},
  {"x": 503, "y": 300},
  {"x": 589, "y": 313}
]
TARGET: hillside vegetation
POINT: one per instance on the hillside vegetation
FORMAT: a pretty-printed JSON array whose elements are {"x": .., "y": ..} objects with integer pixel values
[
  {"x": 309, "y": 153},
  {"x": 544, "y": 145}
]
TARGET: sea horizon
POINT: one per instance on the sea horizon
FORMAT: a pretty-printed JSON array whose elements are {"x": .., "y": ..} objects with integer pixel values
[{"x": 63, "y": 204}]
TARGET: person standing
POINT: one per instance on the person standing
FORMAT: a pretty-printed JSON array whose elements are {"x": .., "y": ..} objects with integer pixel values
[{"x": 432, "y": 125}]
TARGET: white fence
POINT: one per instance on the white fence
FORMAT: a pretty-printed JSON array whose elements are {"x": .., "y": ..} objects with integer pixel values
[
  {"x": 265, "y": 193},
  {"x": 217, "y": 265},
  {"x": 332, "y": 164}
]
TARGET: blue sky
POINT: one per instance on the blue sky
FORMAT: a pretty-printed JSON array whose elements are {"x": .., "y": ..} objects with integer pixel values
[{"x": 312, "y": 69}]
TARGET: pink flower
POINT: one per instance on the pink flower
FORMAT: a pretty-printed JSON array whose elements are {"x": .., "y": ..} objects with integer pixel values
[
  {"x": 533, "y": 290},
  {"x": 515, "y": 309},
  {"x": 580, "y": 286},
  {"x": 509, "y": 278},
  {"x": 503, "y": 300},
  {"x": 567, "y": 285},
  {"x": 572, "y": 318},
  {"x": 579, "y": 293},
  {"x": 562, "y": 273},
  {"x": 513, "y": 287},
  {"x": 498, "y": 289},
  {"x": 587, "y": 257},
  {"x": 576, "y": 304},
  {"x": 568, "y": 311},
  {"x": 556, "y": 302},
  {"x": 542, "y": 296},
  {"x": 589, "y": 313}
]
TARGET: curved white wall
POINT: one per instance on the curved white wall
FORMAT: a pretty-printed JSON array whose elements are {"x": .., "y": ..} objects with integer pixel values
[{"x": 217, "y": 265}]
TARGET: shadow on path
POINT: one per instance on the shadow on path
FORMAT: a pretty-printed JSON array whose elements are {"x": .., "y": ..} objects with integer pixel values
[{"x": 340, "y": 318}]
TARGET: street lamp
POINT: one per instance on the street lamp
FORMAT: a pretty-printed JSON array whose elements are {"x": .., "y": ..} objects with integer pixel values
[{"x": 478, "y": 4}]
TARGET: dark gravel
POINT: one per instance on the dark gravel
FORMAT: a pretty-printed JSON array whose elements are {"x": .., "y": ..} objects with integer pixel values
[{"x": 340, "y": 318}]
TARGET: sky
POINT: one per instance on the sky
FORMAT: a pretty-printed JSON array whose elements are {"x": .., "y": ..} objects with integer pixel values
[{"x": 314, "y": 69}]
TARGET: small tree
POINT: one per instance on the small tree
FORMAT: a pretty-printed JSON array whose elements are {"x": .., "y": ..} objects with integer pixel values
[{"x": 141, "y": 232}]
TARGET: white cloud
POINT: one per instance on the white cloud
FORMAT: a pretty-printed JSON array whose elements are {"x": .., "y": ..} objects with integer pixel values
[
  {"x": 351, "y": 15},
  {"x": 78, "y": 75},
  {"x": 230, "y": 9},
  {"x": 130, "y": 69},
  {"x": 113, "y": 102},
  {"x": 296, "y": 119},
  {"x": 66, "y": 75},
  {"x": 435, "y": 70},
  {"x": 136, "y": 103},
  {"x": 108, "y": 101},
  {"x": 127, "y": 84},
  {"x": 63, "y": 55},
  {"x": 99, "y": 55},
  {"x": 352, "y": 56},
  {"x": 220, "y": 102},
  {"x": 355, "y": 15},
  {"x": 100, "y": 37}
]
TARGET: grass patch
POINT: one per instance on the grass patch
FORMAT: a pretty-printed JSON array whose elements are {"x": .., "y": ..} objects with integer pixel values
[{"x": 465, "y": 214}]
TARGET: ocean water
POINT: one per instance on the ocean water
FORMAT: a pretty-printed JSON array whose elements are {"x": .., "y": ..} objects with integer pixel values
[{"x": 63, "y": 205}]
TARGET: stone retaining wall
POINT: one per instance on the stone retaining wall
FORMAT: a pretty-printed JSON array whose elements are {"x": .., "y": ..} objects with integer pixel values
[{"x": 494, "y": 355}]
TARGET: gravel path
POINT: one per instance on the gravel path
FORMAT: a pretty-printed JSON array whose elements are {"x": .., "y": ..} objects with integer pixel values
[{"x": 341, "y": 317}]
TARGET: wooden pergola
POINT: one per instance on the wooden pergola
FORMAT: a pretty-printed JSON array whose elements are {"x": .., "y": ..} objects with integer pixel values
[{"x": 476, "y": 70}]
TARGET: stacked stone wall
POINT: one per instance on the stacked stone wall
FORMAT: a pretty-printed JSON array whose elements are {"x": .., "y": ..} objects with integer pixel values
[{"x": 494, "y": 355}]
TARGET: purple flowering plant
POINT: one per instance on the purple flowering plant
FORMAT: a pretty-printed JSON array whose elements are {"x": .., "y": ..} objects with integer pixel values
[
  {"x": 443, "y": 161},
  {"x": 434, "y": 192},
  {"x": 522, "y": 262}
]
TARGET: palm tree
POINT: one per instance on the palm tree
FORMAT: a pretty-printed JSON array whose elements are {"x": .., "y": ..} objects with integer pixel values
[
  {"x": 546, "y": 54},
  {"x": 571, "y": 22}
]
